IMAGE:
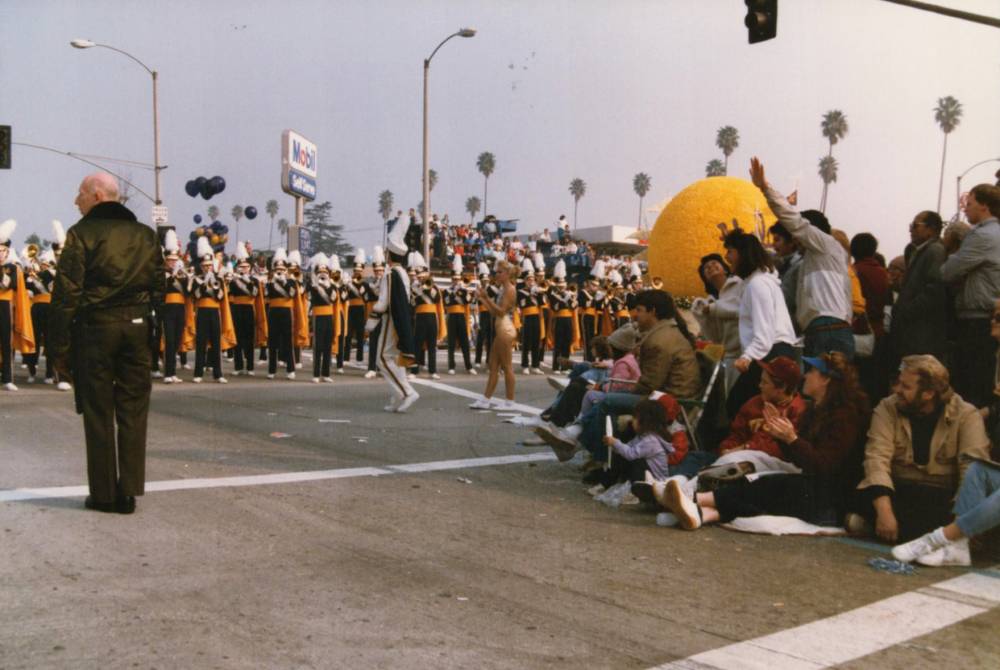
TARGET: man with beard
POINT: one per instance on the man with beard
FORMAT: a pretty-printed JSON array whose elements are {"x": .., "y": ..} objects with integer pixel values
[{"x": 920, "y": 443}]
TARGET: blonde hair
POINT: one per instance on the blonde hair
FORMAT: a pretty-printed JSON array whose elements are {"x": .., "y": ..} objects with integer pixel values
[
  {"x": 511, "y": 269},
  {"x": 931, "y": 374}
]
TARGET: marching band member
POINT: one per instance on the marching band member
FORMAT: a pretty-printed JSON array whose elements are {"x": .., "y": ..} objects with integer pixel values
[
  {"x": 484, "y": 335},
  {"x": 340, "y": 296},
  {"x": 543, "y": 287},
  {"x": 300, "y": 308},
  {"x": 588, "y": 303},
  {"x": 426, "y": 301},
  {"x": 530, "y": 301},
  {"x": 393, "y": 312},
  {"x": 171, "y": 314},
  {"x": 281, "y": 292},
  {"x": 564, "y": 331},
  {"x": 616, "y": 304},
  {"x": 458, "y": 300},
  {"x": 243, "y": 291},
  {"x": 356, "y": 290},
  {"x": 371, "y": 298},
  {"x": 324, "y": 296},
  {"x": 16, "y": 332},
  {"x": 40, "y": 281},
  {"x": 206, "y": 289}
]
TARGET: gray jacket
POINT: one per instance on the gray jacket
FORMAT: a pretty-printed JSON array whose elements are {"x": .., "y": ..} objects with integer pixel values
[
  {"x": 824, "y": 287},
  {"x": 918, "y": 325},
  {"x": 977, "y": 261}
]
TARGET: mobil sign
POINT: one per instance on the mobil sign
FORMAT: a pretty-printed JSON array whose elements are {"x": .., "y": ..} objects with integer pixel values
[{"x": 298, "y": 165}]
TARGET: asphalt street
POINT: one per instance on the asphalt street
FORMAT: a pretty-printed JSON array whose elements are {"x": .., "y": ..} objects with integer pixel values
[{"x": 446, "y": 565}]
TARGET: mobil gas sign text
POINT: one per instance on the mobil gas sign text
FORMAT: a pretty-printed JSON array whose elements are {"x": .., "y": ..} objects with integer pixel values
[{"x": 298, "y": 165}]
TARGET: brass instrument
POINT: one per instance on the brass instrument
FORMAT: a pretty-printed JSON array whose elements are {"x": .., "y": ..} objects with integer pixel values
[{"x": 31, "y": 251}]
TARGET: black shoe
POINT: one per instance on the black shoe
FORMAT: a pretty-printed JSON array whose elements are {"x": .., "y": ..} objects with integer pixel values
[
  {"x": 90, "y": 503},
  {"x": 125, "y": 504},
  {"x": 643, "y": 491}
]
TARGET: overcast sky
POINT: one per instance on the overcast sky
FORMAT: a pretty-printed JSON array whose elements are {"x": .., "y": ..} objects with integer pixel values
[{"x": 593, "y": 89}]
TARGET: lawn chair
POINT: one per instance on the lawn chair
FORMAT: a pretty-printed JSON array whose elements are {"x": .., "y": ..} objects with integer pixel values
[{"x": 693, "y": 409}]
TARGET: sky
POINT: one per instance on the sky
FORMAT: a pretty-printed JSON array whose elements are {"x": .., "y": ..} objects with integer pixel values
[{"x": 555, "y": 89}]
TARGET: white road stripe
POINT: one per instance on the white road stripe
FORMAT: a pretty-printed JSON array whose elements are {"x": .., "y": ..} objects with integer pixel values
[
  {"x": 856, "y": 633},
  {"x": 15, "y": 495}
]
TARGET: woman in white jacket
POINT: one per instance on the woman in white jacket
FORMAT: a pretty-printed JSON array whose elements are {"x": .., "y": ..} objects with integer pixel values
[
  {"x": 765, "y": 326},
  {"x": 719, "y": 315}
]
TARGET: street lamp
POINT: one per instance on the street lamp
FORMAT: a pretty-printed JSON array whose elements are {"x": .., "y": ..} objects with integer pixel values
[
  {"x": 958, "y": 185},
  {"x": 464, "y": 32},
  {"x": 87, "y": 44}
]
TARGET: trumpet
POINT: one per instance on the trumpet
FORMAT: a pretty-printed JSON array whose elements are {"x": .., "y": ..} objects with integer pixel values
[{"x": 31, "y": 251}]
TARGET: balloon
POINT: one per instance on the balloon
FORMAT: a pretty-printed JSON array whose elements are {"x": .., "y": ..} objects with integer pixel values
[
  {"x": 191, "y": 188},
  {"x": 197, "y": 218},
  {"x": 250, "y": 212},
  {"x": 199, "y": 182},
  {"x": 218, "y": 183},
  {"x": 206, "y": 190},
  {"x": 214, "y": 239}
]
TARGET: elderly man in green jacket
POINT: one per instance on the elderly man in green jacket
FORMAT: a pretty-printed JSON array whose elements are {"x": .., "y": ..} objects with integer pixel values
[{"x": 111, "y": 277}]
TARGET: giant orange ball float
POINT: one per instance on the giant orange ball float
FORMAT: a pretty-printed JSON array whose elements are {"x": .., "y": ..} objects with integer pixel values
[{"x": 687, "y": 229}]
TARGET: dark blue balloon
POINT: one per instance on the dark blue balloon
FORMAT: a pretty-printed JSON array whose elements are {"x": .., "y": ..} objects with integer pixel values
[
  {"x": 191, "y": 188},
  {"x": 218, "y": 184},
  {"x": 206, "y": 190},
  {"x": 250, "y": 212},
  {"x": 197, "y": 218}
]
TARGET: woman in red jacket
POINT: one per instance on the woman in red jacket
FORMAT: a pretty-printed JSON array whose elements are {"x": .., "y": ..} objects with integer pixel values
[{"x": 824, "y": 447}]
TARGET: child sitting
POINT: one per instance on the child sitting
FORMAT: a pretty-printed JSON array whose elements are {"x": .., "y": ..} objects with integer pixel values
[
  {"x": 649, "y": 450},
  {"x": 624, "y": 371}
]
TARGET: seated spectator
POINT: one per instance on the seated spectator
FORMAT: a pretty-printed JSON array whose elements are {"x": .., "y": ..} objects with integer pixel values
[
  {"x": 821, "y": 447},
  {"x": 648, "y": 451},
  {"x": 624, "y": 371},
  {"x": 667, "y": 364},
  {"x": 919, "y": 445},
  {"x": 583, "y": 375},
  {"x": 977, "y": 510},
  {"x": 779, "y": 384}
]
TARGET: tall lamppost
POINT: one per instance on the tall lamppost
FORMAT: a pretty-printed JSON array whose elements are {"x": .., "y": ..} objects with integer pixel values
[
  {"x": 87, "y": 44},
  {"x": 464, "y": 32},
  {"x": 958, "y": 185}
]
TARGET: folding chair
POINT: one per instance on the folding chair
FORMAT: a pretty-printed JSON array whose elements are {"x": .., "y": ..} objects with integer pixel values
[{"x": 693, "y": 409}]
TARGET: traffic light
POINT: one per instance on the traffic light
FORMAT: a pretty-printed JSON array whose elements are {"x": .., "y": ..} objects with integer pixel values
[
  {"x": 4, "y": 147},
  {"x": 761, "y": 20}
]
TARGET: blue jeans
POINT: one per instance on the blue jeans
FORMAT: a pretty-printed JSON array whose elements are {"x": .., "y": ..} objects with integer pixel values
[
  {"x": 977, "y": 506},
  {"x": 819, "y": 340},
  {"x": 593, "y": 421}
]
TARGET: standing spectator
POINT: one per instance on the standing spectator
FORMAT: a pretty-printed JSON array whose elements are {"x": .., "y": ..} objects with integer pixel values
[
  {"x": 823, "y": 295},
  {"x": 765, "y": 326},
  {"x": 874, "y": 280},
  {"x": 977, "y": 265},
  {"x": 719, "y": 316},
  {"x": 921, "y": 293},
  {"x": 789, "y": 264}
]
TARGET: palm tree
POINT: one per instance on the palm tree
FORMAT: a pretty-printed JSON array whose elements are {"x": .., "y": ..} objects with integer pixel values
[
  {"x": 385, "y": 210},
  {"x": 577, "y": 188},
  {"x": 641, "y": 184},
  {"x": 486, "y": 163},
  {"x": 827, "y": 171},
  {"x": 432, "y": 180},
  {"x": 472, "y": 207},
  {"x": 272, "y": 211},
  {"x": 213, "y": 213},
  {"x": 237, "y": 214},
  {"x": 947, "y": 113},
  {"x": 727, "y": 139},
  {"x": 715, "y": 168},
  {"x": 834, "y": 126},
  {"x": 283, "y": 226}
]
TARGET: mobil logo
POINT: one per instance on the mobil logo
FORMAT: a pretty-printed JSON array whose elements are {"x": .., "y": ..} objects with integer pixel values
[
  {"x": 298, "y": 154},
  {"x": 303, "y": 156}
]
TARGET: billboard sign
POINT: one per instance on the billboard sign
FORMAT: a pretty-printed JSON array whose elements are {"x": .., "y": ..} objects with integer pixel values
[
  {"x": 305, "y": 242},
  {"x": 298, "y": 165}
]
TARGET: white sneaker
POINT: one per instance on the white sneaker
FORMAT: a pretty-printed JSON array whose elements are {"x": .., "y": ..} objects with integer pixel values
[
  {"x": 237, "y": 373},
  {"x": 168, "y": 380},
  {"x": 64, "y": 386},
  {"x": 340, "y": 371},
  {"x": 290, "y": 375},
  {"x": 685, "y": 509},
  {"x": 221, "y": 380},
  {"x": 187, "y": 366},
  {"x": 249, "y": 373},
  {"x": 502, "y": 404},
  {"x": 31, "y": 379},
  {"x": 953, "y": 553},
  {"x": 914, "y": 549},
  {"x": 196, "y": 380},
  {"x": 10, "y": 387},
  {"x": 370, "y": 374},
  {"x": 473, "y": 371},
  {"x": 177, "y": 380},
  {"x": 556, "y": 383},
  {"x": 536, "y": 371},
  {"x": 315, "y": 380},
  {"x": 572, "y": 431},
  {"x": 525, "y": 371},
  {"x": 270, "y": 376},
  {"x": 327, "y": 380},
  {"x": 452, "y": 371},
  {"x": 435, "y": 376},
  {"x": 157, "y": 374},
  {"x": 410, "y": 375},
  {"x": 596, "y": 490},
  {"x": 481, "y": 403},
  {"x": 407, "y": 403},
  {"x": 298, "y": 366}
]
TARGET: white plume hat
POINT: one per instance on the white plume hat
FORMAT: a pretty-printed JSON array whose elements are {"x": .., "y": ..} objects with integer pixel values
[
  {"x": 7, "y": 231},
  {"x": 359, "y": 259},
  {"x": 171, "y": 244},
  {"x": 58, "y": 233},
  {"x": 527, "y": 266},
  {"x": 457, "y": 265},
  {"x": 318, "y": 261},
  {"x": 483, "y": 270},
  {"x": 242, "y": 255},
  {"x": 295, "y": 258},
  {"x": 334, "y": 263},
  {"x": 396, "y": 240},
  {"x": 378, "y": 257},
  {"x": 205, "y": 254},
  {"x": 559, "y": 272},
  {"x": 280, "y": 257},
  {"x": 417, "y": 261}
]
